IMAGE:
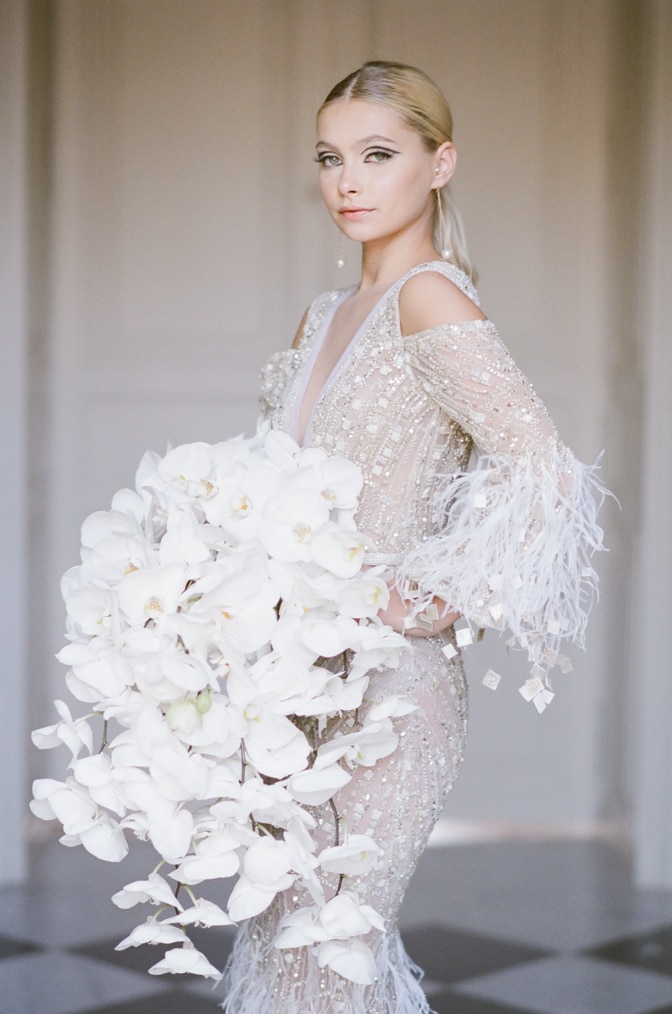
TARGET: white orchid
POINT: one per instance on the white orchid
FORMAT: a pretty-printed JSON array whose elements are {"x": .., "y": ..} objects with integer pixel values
[
  {"x": 218, "y": 619},
  {"x": 364, "y": 596},
  {"x": 337, "y": 928},
  {"x": 185, "y": 960},
  {"x": 291, "y": 522},
  {"x": 156, "y": 890},
  {"x": 181, "y": 543},
  {"x": 181, "y": 775},
  {"x": 216, "y": 857},
  {"x": 76, "y": 734},
  {"x": 102, "y": 837},
  {"x": 151, "y": 594},
  {"x": 238, "y": 507},
  {"x": 363, "y": 746},
  {"x": 187, "y": 472},
  {"x": 339, "y": 480},
  {"x": 170, "y": 832},
  {"x": 339, "y": 552},
  {"x": 273, "y": 804},
  {"x": 344, "y": 916},
  {"x": 218, "y": 730},
  {"x": 202, "y": 913},
  {"x": 353, "y": 959},
  {"x": 393, "y": 706},
  {"x": 195, "y": 869},
  {"x": 97, "y": 773},
  {"x": 115, "y": 556},
  {"x": 329, "y": 636},
  {"x": 317, "y": 785},
  {"x": 346, "y": 694},
  {"x": 356, "y": 858},
  {"x": 152, "y": 932},
  {"x": 91, "y": 610},
  {"x": 267, "y": 870},
  {"x": 83, "y": 822},
  {"x": 273, "y": 743},
  {"x": 98, "y": 671}
]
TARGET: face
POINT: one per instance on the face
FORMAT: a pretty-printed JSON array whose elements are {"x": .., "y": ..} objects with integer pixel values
[{"x": 376, "y": 175}]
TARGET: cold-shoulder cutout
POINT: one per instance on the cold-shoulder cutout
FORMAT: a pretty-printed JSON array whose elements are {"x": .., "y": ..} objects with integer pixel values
[
  {"x": 428, "y": 298},
  {"x": 300, "y": 329}
]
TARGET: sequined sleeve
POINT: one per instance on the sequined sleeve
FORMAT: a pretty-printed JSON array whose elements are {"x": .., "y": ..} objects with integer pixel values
[
  {"x": 516, "y": 532},
  {"x": 275, "y": 376}
]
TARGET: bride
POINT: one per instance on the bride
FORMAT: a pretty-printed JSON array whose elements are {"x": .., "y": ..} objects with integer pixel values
[{"x": 404, "y": 375}]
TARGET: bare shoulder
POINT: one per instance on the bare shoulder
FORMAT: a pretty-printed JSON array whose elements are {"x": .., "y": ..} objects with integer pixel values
[
  {"x": 429, "y": 298},
  {"x": 300, "y": 328}
]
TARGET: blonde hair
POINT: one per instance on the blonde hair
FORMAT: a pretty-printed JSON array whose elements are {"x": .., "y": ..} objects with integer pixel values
[{"x": 415, "y": 97}]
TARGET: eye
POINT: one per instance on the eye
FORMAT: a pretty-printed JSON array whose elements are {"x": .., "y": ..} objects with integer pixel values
[
  {"x": 379, "y": 155},
  {"x": 327, "y": 159}
]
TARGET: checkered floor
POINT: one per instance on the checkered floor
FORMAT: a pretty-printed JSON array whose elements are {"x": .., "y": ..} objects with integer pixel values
[{"x": 545, "y": 928}]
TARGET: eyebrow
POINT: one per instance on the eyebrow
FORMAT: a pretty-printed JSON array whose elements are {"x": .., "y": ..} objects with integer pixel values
[{"x": 364, "y": 141}]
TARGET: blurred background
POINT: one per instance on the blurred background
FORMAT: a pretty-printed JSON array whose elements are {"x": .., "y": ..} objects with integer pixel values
[{"x": 162, "y": 233}]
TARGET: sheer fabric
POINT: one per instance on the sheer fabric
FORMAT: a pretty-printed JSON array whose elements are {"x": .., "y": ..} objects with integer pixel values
[{"x": 506, "y": 543}]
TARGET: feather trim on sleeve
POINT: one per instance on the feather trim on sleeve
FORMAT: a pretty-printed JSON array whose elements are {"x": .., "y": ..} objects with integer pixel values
[{"x": 514, "y": 552}]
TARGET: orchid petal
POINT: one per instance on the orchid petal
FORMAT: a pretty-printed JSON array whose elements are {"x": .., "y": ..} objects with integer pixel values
[
  {"x": 152, "y": 932},
  {"x": 357, "y": 857},
  {"x": 248, "y": 899},
  {"x": 156, "y": 890}
]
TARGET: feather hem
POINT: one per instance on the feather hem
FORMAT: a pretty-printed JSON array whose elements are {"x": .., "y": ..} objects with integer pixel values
[{"x": 255, "y": 985}]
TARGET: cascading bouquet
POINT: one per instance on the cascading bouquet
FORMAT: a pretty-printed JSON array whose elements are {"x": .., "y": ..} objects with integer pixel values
[{"x": 219, "y": 617}]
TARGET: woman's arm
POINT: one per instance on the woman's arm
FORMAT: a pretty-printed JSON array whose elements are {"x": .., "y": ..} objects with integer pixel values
[
  {"x": 299, "y": 331},
  {"x": 426, "y": 299},
  {"x": 519, "y": 528}
]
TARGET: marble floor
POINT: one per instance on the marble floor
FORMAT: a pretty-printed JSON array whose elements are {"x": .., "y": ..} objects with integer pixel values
[{"x": 546, "y": 927}]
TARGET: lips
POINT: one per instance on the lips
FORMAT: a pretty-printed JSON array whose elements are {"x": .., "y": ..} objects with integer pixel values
[{"x": 354, "y": 214}]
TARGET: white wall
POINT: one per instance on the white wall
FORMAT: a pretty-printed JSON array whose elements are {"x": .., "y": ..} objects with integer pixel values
[
  {"x": 187, "y": 236},
  {"x": 13, "y": 449},
  {"x": 649, "y": 649}
]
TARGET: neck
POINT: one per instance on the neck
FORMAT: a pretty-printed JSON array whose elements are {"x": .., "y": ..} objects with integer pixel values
[{"x": 385, "y": 261}]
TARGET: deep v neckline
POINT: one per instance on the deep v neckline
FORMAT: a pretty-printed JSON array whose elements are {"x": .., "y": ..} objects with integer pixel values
[
  {"x": 293, "y": 418},
  {"x": 318, "y": 345}
]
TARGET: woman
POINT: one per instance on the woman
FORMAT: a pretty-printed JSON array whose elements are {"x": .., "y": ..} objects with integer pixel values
[{"x": 401, "y": 374}]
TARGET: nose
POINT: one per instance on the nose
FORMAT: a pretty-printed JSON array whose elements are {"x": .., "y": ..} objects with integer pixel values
[{"x": 348, "y": 181}]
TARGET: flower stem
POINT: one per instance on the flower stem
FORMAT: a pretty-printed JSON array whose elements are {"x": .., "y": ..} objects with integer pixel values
[
  {"x": 104, "y": 742},
  {"x": 337, "y": 821}
]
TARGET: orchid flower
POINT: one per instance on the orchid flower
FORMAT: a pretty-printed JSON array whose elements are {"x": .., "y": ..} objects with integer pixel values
[{"x": 218, "y": 619}]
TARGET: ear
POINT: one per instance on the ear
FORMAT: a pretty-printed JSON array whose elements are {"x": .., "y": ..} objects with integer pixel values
[{"x": 445, "y": 161}]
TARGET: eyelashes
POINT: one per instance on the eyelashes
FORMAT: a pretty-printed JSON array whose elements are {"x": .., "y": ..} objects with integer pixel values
[
  {"x": 380, "y": 155},
  {"x": 329, "y": 160}
]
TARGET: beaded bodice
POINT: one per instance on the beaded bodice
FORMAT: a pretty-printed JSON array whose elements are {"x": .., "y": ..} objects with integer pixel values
[{"x": 404, "y": 409}]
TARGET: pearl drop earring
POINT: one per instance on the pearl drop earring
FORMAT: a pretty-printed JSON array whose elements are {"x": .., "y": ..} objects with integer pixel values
[
  {"x": 340, "y": 256},
  {"x": 444, "y": 245}
]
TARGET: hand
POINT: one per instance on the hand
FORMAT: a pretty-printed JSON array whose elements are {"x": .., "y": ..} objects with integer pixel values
[{"x": 398, "y": 609}]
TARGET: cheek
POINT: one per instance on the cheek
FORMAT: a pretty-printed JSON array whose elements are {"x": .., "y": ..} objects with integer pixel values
[
  {"x": 408, "y": 190},
  {"x": 328, "y": 188}
]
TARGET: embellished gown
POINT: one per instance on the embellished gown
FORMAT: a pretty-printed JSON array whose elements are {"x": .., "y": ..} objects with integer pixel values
[{"x": 507, "y": 543}]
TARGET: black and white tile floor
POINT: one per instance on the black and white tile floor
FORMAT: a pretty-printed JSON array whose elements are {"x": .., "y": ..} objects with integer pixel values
[{"x": 545, "y": 927}]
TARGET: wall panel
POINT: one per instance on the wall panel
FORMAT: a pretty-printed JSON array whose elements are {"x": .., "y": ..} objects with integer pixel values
[
  {"x": 527, "y": 84},
  {"x": 14, "y": 503}
]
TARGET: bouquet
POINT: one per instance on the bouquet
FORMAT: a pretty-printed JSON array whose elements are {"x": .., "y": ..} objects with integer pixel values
[{"x": 219, "y": 618}]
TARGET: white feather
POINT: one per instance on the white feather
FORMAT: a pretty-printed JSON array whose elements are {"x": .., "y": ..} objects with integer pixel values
[
  {"x": 250, "y": 979},
  {"x": 515, "y": 549}
]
